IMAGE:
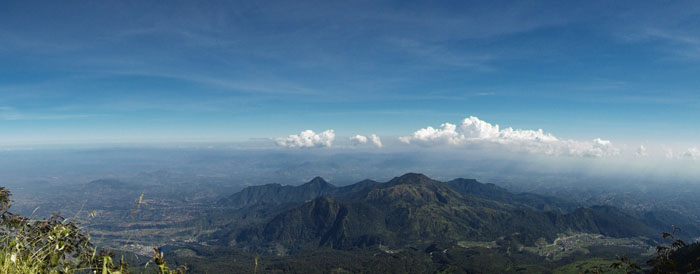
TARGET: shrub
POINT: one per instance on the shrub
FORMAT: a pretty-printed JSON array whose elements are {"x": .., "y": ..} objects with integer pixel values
[{"x": 54, "y": 245}]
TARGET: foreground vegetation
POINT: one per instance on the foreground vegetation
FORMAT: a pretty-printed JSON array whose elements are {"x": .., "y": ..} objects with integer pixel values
[{"x": 55, "y": 245}]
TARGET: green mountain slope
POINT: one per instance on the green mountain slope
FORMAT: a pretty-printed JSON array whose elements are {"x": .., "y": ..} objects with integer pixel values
[
  {"x": 493, "y": 192},
  {"x": 278, "y": 194},
  {"x": 414, "y": 210}
]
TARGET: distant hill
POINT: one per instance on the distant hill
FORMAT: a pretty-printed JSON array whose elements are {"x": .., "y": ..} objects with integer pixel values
[
  {"x": 278, "y": 194},
  {"x": 110, "y": 184},
  {"x": 494, "y": 192}
]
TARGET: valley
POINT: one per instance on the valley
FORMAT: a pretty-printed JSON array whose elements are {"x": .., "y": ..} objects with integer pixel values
[{"x": 411, "y": 217}]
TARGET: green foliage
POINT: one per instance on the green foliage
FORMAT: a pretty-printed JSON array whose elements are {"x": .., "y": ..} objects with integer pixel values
[
  {"x": 54, "y": 245},
  {"x": 676, "y": 256},
  {"x": 592, "y": 265},
  {"x": 162, "y": 265}
]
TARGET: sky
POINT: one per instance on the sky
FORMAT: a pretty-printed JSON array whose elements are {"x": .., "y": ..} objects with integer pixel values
[{"x": 601, "y": 78}]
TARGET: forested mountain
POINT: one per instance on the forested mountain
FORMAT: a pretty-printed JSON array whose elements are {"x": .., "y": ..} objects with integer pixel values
[
  {"x": 414, "y": 210},
  {"x": 409, "y": 224},
  {"x": 494, "y": 192},
  {"x": 279, "y": 194}
]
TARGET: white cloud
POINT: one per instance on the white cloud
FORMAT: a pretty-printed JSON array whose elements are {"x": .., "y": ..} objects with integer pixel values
[
  {"x": 307, "y": 139},
  {"x": 376, "y": 140},
  {"x": 596, "y": 148},
  {"x": 669, "y": 153},
  {"x": 446, "y": 134},
  {"x": 692, "y": 153},
  {"x": 359, "y": 140},
  {"x": 473, "y": 131},
  {"x": 641, "y": 151}
]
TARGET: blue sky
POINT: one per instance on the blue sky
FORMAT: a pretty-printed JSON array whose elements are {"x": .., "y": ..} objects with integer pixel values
[{"x": 132, "y": 71}]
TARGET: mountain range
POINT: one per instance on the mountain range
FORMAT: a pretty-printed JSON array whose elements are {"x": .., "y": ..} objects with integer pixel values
[{"x": 413, "y": 211}]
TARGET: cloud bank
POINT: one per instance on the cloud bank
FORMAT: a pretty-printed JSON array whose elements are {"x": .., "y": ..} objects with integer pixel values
[
  {"x": 692, "y": 153},
  {"x": 360, "y": 140},
  {"x": 308, "y": 139},
  {"x": 473, "y": 131}
]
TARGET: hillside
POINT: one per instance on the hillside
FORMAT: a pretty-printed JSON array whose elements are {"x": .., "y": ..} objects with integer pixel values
[
  {"x": 494, "y": 192},
  {"x": 414, "y": 210},
  {"x": 412, "y": 218},
  {"x": 278, "y": 194}
]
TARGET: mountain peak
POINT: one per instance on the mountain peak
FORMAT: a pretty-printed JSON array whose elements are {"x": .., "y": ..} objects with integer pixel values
[
  {"x": 410, "y": 178},
  {"x": 318, "y": 181},
  {"x": 279, "y": 194},
  {"x": 465, "y": 181}
]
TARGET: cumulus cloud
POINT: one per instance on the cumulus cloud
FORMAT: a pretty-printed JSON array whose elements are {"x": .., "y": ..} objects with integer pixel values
[
  {"x": 375, "y": 140},
  {"x": 692, "y": 153},
  {"x": 472, "y": 131},
  {"x": 360, "y": 140},
  {"x": 641, "y": 151},
  {"x": 307, "y": 139}
]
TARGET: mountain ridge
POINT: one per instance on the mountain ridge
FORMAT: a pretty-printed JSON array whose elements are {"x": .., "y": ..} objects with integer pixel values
[
  {"x": 414, "y": 209},
  {"x": 278, "y": 194}
]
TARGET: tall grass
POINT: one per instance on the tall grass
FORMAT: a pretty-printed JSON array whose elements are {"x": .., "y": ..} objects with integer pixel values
[{"x": 55, "y": 245}]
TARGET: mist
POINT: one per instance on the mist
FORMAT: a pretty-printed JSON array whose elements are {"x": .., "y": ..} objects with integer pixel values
[{"x": 343, "y": 164}]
